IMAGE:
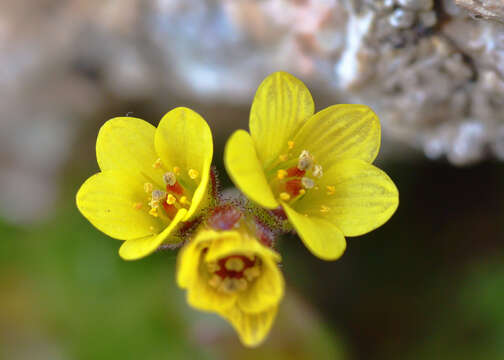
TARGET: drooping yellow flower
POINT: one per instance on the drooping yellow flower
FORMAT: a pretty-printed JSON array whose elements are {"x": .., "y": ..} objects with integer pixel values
[
  {"x": 317, "y": 167},
  {"x": 151, "y": 179},
  {"x": 232, "y": 274}
]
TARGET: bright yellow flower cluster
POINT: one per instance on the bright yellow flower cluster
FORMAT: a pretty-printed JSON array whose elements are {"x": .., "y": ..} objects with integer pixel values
[{"x": 311, "y": 171}]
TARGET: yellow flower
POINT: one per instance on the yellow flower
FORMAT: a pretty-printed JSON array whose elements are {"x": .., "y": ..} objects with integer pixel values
[
  {"x": 230, "y": 273},
  {"x": 145, "y": 172},
  {"x": 317, "y": 167}
]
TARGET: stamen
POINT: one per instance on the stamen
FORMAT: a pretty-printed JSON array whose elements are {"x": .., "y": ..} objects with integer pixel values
[
  {"x": 307, "y": 183},
  {"x": 330, "y": 189},
  {"x": 230, "y": 285},
  {"x": 158, "y": 195},
  {"x": 252, "y": 273},
  {"x": 157, "y": 164},
  {"x": 169, "y": 178},
  {"x": 302, "y": 192},
  {"x": 170, "y": 199},
  {"x": 284, "y": 196},
  {"x": 193, "y": 174},
  {"x": 148, "y": 187},
  {"x": 234, "y": 264},
  {"x": 242, "y": 284},
  {"x": 290, "y": 144},
  {"x": 305, "y": 161},
  {"x": 184, "y": 201},
  {"x": 176, "y": 170},
  {"x": 153, "y": 212},
  {"x": 213, "y": 266},
  {"x": 227, "y": 285},
  {"x": 317, "y": 171},
  {"x": 137, "y": 205},
  {"x": 282, "y": 157},
  {"x": 281, "y": 174},
  {"x": 215, "y": 281},
  {"x": 324, "y": 209}
]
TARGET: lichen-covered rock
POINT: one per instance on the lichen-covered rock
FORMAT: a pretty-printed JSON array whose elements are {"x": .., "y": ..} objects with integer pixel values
[{"x": 487, "y": 9}]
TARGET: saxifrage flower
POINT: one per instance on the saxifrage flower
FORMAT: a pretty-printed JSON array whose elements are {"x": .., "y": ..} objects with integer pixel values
[
  {"x": 227, "y": 269},
  {"x": 152, "y": 180},
  {"x": 314, "y": 167}
]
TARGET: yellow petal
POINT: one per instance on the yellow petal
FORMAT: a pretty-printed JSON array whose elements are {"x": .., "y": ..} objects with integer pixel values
[
  {"x": 127, "y": 144},
  {"x": 139, "y": 248},
  {"x": 266, "y": 291},
  {"x": 183, "y": 139},
  {"x": 246, "y": 171},
  {"x": 252, "y": 328},
  {"x": 341, "y": 132},
  {"x": 363, "y": 198},
  {"x": 202, "y": 296},
  {"x": 108, "y": 200},
  {"x": 320, "y": 236},
  {"x": 281, "y": 104},
  {"x": 189, "y": 257}
]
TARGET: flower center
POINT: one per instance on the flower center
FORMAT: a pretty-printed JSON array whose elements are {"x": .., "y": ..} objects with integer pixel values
[
  {"x": 292, "y": 182},
  {"x": 233, "y": 273},
  {"x": 167, "y": 202}
]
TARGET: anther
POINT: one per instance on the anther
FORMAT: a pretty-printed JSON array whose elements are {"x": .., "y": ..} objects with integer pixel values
[
  {"x": 307, "y": 183},
  {"x": 330, "y": 189},
  {"x": 324, "y": 209},
  {"x": 169, "y": 178},
  {"x": 290, "y": 144},
  {"x": 317, "y": 171},
  {"x": 158, "y": 195},
  {"x": 252, "y": 273},
  {"x": 305, "y": 161},
  {"x": 137, "y": 205},
  {"x": 242, "y": 284},
  {"x": 230, "y": 285},
  {"x": 148, "y": 187},
  {"x": 176, "y": 170},
  {"x": 281, "y": 174},
  {"x": 284, "y": 196},
  {"x": 193, "y": 174},
  {"x": 227, "y": 285},
  {"x": 184, "y": 201},
  {"x": 215, "y": 281},
  {"x": 234, "y": 264},
  {"x": 153, "y": 212},
  {"x": 302, "y": 192},
  {"x": 282, "y": 157},
  {"x": 157, "y": 164},
  {"x": 212, "y": 267},
  {"x": 170, "y": 199}
]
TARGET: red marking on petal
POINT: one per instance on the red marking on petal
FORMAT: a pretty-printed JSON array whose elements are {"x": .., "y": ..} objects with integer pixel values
[
  {"x": 171, "y": 210},
  {"x": 293, "y": 187},
  {"x": 224, "y": 273},
  {"x": 295, "y": 172},
  {"x": 175, "y": 189}
]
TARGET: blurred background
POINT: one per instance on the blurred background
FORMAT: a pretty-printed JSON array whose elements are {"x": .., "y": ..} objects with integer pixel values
[{"x": 428, "y": 284}]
